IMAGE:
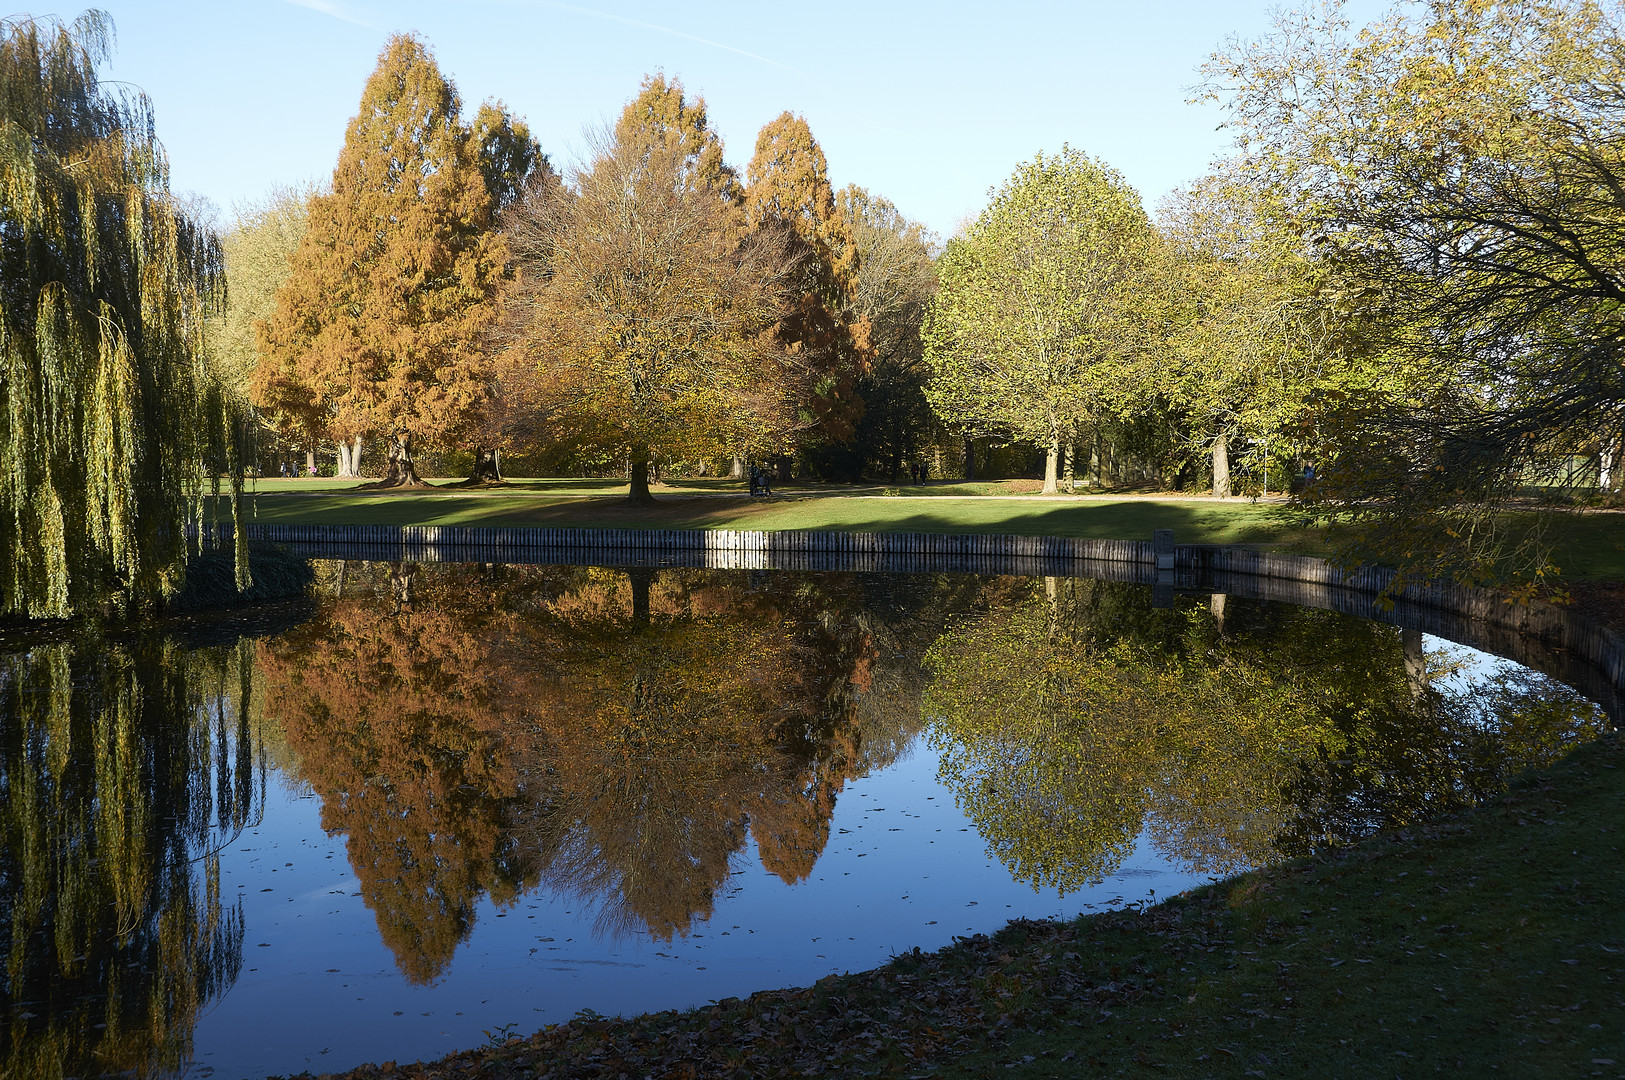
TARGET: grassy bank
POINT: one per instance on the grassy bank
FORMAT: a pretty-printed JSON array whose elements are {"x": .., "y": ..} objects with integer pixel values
[
  {"x": 1194, "y": 520},
  {"x": 1588, "y": 546},
  {"x": 1490, "y": 943}
]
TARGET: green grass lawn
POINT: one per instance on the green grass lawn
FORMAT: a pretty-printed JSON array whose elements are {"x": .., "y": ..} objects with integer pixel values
[
  {"x": 1194, "y": 520},
  {"x": 1586, "y": 545}
]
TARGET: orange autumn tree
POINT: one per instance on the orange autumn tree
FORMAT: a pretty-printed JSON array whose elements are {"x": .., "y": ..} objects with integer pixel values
[
  {"x": 788, "y": 193},
  {"x": 376, "y": 329},
  {"x": 397, "y": 711},
  {"x": 640, "y": 299},
  {"x": 663, "y": 116}
]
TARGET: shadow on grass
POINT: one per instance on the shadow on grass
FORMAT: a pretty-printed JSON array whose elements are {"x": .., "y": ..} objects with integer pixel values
[{"x": 1133, "y": 519}]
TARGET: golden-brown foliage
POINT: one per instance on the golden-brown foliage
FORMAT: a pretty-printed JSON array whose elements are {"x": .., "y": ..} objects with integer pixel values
[
  {"x": 824, "y": 353},
  {"x": 643, "y": 308},
  {"x": 377, "y": 329}
]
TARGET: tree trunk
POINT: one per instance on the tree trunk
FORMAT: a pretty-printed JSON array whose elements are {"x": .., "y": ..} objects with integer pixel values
[
  {"x": 310, "y": 462},
  {"x": 487, "y": 467},
  {"x": 1605, "y": 466},
  {"x": 970, "y": 459},
  {"x": 402, "y": 471},
  {"x": 1094, "y": 459},
  {"x": 1221, "y": 468},
  {"x": 637, "y": 468},
  {"x": 1215, "y": 607},
  {"x": 736, "y": 471},
  {"x": 641, "y": 577},
  {"x": 1052, "y": 462},
  {"x": 349, "y": 458},
  {"x": 1068, "y": 477},
  {"x": 402, "y": 577},
  {"x": 1416, "y": 668}
]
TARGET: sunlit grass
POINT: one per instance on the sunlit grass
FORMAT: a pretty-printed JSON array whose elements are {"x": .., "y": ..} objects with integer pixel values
[{"x": 1586, "y": 545}]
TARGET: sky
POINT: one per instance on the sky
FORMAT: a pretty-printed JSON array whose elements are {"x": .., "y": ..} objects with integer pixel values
[{"x": 928, "y": 104}]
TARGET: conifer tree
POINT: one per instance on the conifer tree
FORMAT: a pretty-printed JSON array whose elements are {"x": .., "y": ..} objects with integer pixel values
[
  {"x": 377, "y": 328},
  {"x": 896, "y": 277},
  {"x": 788, "y": 190},
  {"x": 111, "y": 419},
  {"x": 511, "y": 159},
  {"x": 662, "y": 116}
]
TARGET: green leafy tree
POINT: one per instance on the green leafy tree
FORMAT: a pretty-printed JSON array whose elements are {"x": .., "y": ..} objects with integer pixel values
[
  {"x": 258, "y": 248},
  {"x": 377, "y": 328},
  {"x": 1256, "y": 336},
  {"x": 1463, "y": 164},
  {"x": 1042, "y": 303},
  {"x": 112, "y": 420}
]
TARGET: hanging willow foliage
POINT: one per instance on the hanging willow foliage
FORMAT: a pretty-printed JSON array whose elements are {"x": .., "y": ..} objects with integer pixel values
[
  {"x": 111, "y": 420},
  {"x": 127, "y": 768}
]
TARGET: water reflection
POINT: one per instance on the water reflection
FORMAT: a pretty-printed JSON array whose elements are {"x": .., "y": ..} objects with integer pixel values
[
  {"x": 623, "y": 739},
  {"x": 1236, "y": 732},
  {"x": 124, "y": 768},
  {"x": 612, "y": 734}
]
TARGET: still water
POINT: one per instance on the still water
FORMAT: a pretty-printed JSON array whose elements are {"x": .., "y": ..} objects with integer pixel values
[{"x": 448, "y": 802}]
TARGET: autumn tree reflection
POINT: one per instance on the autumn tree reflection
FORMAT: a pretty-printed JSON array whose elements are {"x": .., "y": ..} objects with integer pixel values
[
  {"x": 124, "y": 769},
  {"x": 619, "y": 735},
  {"x": 1076, "y": 717},
  {"x": 395, "y": 711}
]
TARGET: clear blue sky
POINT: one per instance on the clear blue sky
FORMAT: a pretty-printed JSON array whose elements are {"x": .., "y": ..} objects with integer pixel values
[{"x": 929, "y": 104}]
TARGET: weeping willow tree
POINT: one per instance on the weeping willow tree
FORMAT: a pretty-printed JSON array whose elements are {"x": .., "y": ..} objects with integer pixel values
[
  {"x": 127, "y": 768},
  {"x": 111, "y": 420}
]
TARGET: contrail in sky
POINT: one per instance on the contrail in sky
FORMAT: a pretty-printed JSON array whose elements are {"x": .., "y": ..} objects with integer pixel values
[
  {"x": 337, "y": 11},
  {"x": 623, "y": 20},
  {"x": 326, "y": 7}
]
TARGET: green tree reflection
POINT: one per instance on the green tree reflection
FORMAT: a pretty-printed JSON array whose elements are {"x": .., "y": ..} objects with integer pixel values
[
  {"x": 1075, "y": 717},
  {"x": 124, "y": 768}
]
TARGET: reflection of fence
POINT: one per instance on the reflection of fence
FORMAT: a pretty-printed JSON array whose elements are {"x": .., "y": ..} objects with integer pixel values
[{"x": 1568, "y": 646}]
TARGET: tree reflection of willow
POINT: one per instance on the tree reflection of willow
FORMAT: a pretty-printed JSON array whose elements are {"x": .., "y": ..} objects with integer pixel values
[
  {"x": 615, "y": 734},
  {"x": 123, "y": 770},
  {"x": 1077, "y": 717}
]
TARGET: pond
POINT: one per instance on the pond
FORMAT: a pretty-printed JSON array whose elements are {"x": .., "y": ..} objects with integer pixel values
[{"x": 447, "y": 802}]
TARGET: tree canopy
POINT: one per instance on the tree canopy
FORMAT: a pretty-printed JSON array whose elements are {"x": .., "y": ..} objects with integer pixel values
[
  {"x": 824, "y": 350},
  {"x": 1461, "y": 166},
  {"x": 112, "y": 419},
  {"x": 1254, "y": 333},
  {"x": 377, "y": 328},
  {"x": 1041, "y": 304},
  {"x": 643, "y": 305}
]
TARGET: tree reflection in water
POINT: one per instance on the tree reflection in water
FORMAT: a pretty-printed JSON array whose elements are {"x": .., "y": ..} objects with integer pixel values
[
  {"x": 1074, "y": 718},
  {"x": 124, "y": 768},
  {"x": 613, "y": 734}
]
